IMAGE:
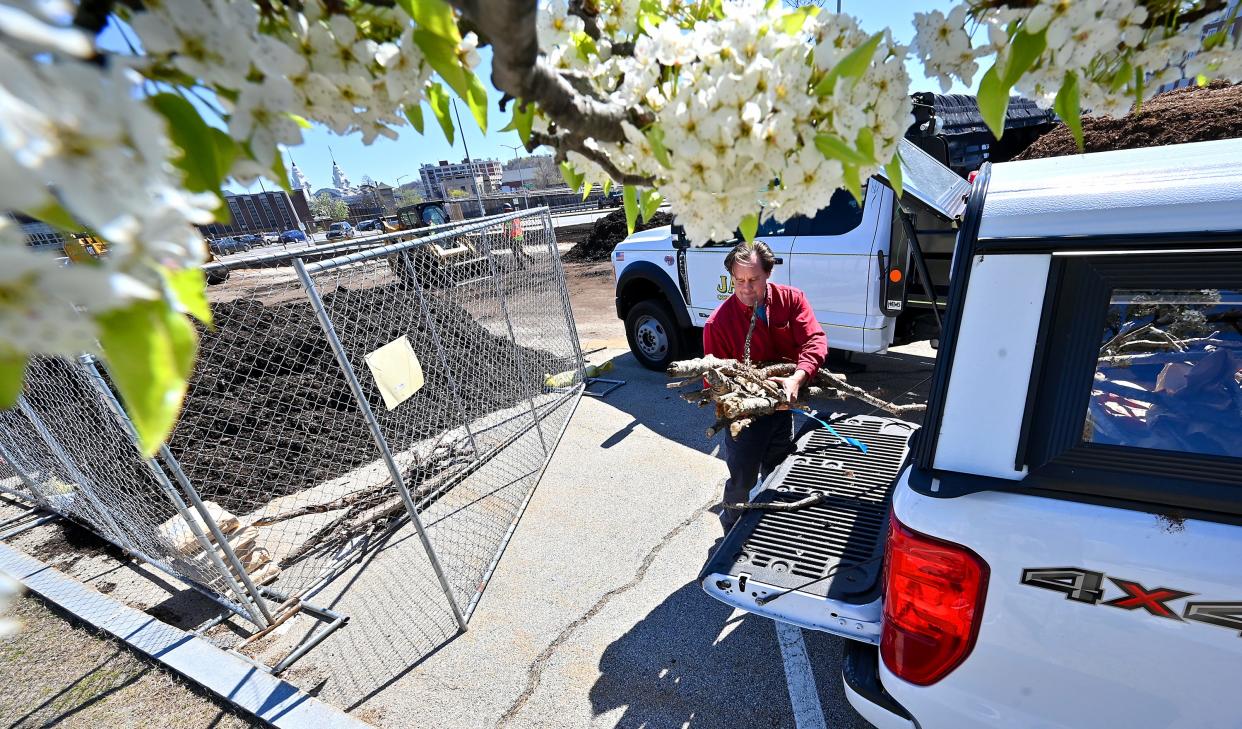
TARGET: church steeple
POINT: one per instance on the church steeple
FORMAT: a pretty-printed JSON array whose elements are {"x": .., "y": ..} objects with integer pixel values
[
  {"x": 296, "y": 179},
  {"x": 339, "y": 180}
]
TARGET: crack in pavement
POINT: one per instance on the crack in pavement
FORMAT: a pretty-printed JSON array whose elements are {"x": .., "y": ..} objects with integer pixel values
[{"x": 535, "y": 675}]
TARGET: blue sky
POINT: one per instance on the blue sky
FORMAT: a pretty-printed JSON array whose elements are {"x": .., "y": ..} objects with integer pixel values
[{"x": 387, "y": 160}]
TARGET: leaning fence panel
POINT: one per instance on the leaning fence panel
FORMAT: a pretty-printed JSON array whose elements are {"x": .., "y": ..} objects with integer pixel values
[
  {"x": 454, "y": 338},
  {"x": 78, "y": 458}
]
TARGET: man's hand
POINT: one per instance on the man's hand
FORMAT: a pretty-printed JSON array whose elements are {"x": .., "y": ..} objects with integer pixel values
[{"x": 791, "y": 386}]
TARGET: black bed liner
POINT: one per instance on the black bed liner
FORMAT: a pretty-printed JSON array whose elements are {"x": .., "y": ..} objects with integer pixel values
[{"x": 789, "y": 549}]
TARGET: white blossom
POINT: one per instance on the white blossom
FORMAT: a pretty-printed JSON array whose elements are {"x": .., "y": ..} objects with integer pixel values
[{"x": 261, "y": 116}]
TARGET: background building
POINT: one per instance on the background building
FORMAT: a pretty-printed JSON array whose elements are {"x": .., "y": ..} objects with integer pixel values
[
  {"x": 1213, "y": 26},
  {"x": 483, "y": 175},
  {"x": 262, "y": 212}
]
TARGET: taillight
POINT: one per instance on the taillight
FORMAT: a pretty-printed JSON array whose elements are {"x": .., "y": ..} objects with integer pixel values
[{"x": 933, "y": 603}]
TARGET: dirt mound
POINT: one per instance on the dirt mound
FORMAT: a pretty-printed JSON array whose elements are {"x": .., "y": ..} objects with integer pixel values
[
  {"x": 607, "y": 233},
  {"x": 1175, "y": 117},
  {"x": 269, "y": 411}
]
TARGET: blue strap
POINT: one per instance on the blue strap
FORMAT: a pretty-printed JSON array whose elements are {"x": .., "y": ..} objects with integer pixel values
[{"x": 852, "y": 441}]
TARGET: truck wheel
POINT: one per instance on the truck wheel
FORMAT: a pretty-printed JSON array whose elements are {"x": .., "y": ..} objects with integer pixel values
[
  {"x": 655, "y": 339},
  {"x": 217, "y": 276}
]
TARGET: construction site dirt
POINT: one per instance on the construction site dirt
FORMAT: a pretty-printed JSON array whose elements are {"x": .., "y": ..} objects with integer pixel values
[
  {"x": 1175, "y": 117},
  {"x": 267, "y": 401}
]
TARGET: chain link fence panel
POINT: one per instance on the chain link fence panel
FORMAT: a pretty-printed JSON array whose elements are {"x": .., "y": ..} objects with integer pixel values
[{"x": 307, "y": 438}]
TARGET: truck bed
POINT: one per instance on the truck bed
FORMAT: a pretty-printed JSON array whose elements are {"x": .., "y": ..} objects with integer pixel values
[{"x": 789, "y": 549}]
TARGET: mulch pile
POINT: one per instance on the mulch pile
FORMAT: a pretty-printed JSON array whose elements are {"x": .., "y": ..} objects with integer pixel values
[
  {"x": 607, "y": 233},
  {"x": 1176, "y": 117},
  {"x": 269, "y": 411}
]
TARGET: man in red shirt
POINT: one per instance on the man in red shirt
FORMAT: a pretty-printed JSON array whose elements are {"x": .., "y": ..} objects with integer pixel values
[{"x": 786, "y": 330}]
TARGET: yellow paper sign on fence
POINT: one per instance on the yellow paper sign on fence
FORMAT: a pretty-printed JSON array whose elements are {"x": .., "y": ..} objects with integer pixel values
[{"x": 396, "y": 371}]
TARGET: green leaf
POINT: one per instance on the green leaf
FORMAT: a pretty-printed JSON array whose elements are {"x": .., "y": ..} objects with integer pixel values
[
  {"x": 198, "y": 161},
  {"x": 607, "y": 185},
  {"x": 56, "y": 216},
  {"x": 150, "y": 351},
  {"x": 833, "y": 147},
  {"x": 414, "y": 113},
  {"x": 189, "y": 286},
  {"x": 993, "y": 100},
  {"x": 866, "y": 144},
  {"x": 852, "y": 181},
  {"x": 655, "y": 137},
  {"x": 279, "y": 171},
  {"x": 630, "y": 197},
  {"x": 649, "y": 203},
  {"x": 12, "y": 374},
  {"x": 522, "y": 121},
  {"x": 893, "y": 170},
  {"x": 749, "y": 226},
  {"x": 441, "y": 55},
  {"x": 439, "y": 100},
  {"x": 852, "y": 66},
  {"x": 1139, "y": 77},
  {"x": 1066, "y": 107},
  {"x": 476, "y": 100},
  {"x": 792, "y": 22},
  {"x": 299, "y": 120},
  {"x": 1022, "y": 53},
  {"x": 433, "y": 16},
  {"x": 226, "y": 150},
  {"x": 586, "y": 190},
  {"x": 573, "y": 178}
]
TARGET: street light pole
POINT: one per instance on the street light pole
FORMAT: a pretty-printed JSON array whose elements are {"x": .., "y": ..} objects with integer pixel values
[
  {"x": 525, "y": 193},
  {"x": 474, "y": 180}
]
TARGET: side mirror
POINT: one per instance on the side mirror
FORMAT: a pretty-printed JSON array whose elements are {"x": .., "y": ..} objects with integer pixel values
[{"x": 679, "y": 236}]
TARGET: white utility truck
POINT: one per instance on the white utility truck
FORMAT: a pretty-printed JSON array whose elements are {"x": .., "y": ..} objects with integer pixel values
[
  {"x": 1060, "y": 543},
  {"x": 870, "y": 270}
]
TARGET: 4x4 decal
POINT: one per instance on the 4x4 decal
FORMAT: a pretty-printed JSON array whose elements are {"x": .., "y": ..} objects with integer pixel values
[{"x": 1087, "y": 586}]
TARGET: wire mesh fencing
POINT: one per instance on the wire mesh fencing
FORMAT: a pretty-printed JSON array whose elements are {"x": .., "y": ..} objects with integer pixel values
[{"x": 426, "y": 378}]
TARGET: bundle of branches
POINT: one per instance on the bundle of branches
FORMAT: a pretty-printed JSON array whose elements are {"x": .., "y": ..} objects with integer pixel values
[
  {"x": 369, "y": 512},
  {"x": 742, "y": 392}
]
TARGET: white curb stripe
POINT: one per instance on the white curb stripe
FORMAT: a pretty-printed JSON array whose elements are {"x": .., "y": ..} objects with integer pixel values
[
  {"x": 271, "y": 699},
  {"x": 808, "y": 714}
]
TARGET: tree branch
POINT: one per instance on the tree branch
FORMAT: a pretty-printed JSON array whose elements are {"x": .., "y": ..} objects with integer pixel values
[
  {"x": 518, "y": 71},
  {"x": 590, "y": 27},
  {"x": 565, "y": 142}
]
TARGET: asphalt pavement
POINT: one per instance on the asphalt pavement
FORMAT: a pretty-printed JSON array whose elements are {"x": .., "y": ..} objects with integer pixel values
[{"x": 593, "y": 616}]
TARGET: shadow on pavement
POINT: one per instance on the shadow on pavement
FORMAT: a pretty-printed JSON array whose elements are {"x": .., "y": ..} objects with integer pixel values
[{"x": 686, "y": 663}]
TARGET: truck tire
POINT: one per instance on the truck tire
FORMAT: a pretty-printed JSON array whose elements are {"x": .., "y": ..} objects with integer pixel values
[{"x": 655, "y": 339}]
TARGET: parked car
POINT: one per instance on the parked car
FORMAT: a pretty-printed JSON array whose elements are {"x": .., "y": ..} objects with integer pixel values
[
  {"x": 341, "y": 229},
  {"x": 228, "y": 245},
  {"x": 293, "y": 236},
  {"x": 251, "y": 240},
  {"x": 1063, "y": 538},
  {"x": 368, "y": 225}
]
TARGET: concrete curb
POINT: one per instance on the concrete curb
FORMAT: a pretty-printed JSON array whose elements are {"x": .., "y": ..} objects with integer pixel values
[{"x": 267, "y": 697}]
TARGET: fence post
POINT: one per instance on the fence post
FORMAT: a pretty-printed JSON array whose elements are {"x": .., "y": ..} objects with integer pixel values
[
  {"x": 376, "y": 433},
  {"x": 435, "y": 338},
  {"x": 563, "y": 288},
  {"x": 84, "y": 484},
  {"x": 517, "y": 348},
  {"x": 262, "y": 618}
]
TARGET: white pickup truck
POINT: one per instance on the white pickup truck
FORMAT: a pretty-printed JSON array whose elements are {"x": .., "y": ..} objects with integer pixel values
[
  {"x": 1060, "y": 543},
  {"x": 857, "y": 264}
]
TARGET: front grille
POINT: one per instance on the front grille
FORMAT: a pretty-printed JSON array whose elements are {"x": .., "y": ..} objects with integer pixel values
[{"x": 788, "y": 549}]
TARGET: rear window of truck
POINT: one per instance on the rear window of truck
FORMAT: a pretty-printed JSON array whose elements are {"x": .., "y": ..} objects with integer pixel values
[{"x": 1169, "y": 372}]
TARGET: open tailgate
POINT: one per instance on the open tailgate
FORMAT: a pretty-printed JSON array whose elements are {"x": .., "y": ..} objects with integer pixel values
[{"x": 827, "y": 556}]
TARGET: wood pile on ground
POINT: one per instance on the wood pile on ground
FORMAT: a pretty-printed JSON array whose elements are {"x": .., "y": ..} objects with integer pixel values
[
  {"x": 1195, "y": 114},
  {"x": 742, "y": 392},
  {"x": 241, "y": 537}
]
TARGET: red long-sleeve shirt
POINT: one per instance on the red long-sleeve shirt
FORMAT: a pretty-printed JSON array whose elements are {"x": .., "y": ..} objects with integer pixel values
[{"x": 791, "y": 334}]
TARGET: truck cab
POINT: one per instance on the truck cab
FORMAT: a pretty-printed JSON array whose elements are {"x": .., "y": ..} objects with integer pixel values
[
  {"x": 854, "y": 259},
  {"x": 1057, "y": 544}
]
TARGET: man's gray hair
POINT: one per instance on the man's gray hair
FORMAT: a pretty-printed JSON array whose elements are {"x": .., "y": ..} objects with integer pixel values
[{"x": 747, "y": 253}]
